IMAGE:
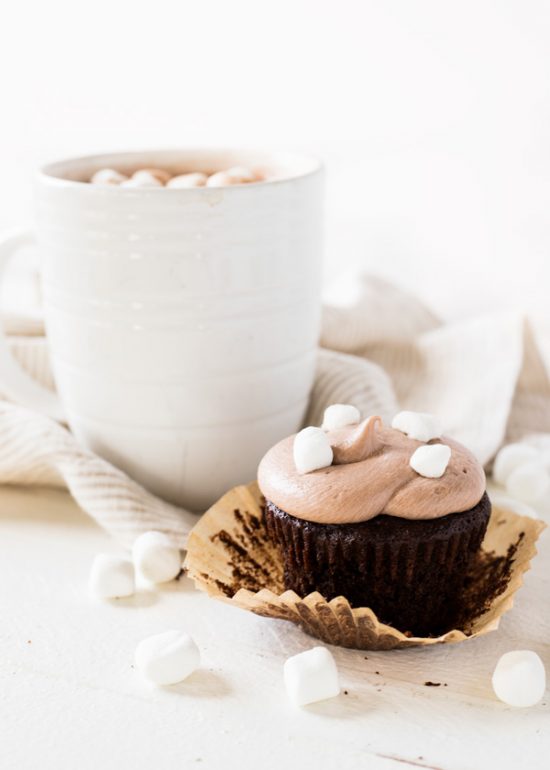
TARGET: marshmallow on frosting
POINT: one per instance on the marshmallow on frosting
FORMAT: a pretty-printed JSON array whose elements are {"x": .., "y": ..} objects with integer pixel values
[
  {"x": 339, "y": 416},
  {"x": 431, "y": 460},
  {"x": 417, "y": 425},
  {"x": 311, "y": 450}
]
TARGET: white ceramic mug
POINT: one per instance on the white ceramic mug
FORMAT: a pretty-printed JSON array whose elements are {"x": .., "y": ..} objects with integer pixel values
[{"x": 182, "y": 323}]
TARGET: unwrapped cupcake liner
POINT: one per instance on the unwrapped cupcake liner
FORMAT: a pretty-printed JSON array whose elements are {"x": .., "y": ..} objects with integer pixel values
[{"x": 231, "y": 557}]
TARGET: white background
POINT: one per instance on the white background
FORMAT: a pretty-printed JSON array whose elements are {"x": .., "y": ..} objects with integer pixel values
[
  {"x": 434, "y": 122},
  {"x": 433, "y": 118}
]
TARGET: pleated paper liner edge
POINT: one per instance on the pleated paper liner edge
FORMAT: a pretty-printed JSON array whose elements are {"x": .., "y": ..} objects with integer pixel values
[{"x": 231, "y": 559}]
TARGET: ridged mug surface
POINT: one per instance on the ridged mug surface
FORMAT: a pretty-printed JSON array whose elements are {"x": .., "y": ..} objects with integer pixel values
[{"x": 183, "y": 323}]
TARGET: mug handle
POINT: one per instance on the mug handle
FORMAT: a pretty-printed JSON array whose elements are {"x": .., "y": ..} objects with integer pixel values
[{"x": 15, "y": 383}]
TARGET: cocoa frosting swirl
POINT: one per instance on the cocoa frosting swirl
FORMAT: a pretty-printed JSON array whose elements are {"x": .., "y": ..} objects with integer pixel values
[{"x": 370, "y": 475}]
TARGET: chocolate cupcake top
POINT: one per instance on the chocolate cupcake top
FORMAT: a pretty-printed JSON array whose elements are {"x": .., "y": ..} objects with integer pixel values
[{"x": 353, "y": 473}]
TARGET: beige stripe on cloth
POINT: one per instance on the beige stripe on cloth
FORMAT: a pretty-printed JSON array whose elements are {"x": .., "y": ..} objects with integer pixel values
[{"x": 382, "y": 350}]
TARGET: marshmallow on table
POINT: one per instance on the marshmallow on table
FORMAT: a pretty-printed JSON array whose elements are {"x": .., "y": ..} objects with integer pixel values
[
  {"x": 194, "y": 179},
  {"x": 108, "y": 176},
  {"x": 519, "y": 678},
  {"x": 142, "y": 178},
  {"x": 339, "y": 416},
  {"x": 311, "y": 450},
  {"x": 111, "y": 577},
  {"x": 529, "y": 482},
  {"x": 155, "y": 557},
  {"x": 431, "y": 460},
  {"x": 311, "y": 676},
  {"x": 511, "y": 457},
  {"x": 417, "y": 425},
  {"x": 167, "y": 658}
]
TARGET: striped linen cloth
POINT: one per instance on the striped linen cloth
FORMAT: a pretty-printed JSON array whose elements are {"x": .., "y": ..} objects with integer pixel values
[{"x": 381, "y": 350}]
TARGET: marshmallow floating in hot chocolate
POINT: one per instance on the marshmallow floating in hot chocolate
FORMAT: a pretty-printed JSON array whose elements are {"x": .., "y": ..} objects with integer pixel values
[
  {"x": 142, "y": 178},
  {"x": 519, "y": 678},
  {"x": 159, "y": 177},
  {"x": 339, "y": 416},
  {"x": 183, "y": 181},
  {"x": 417, "y": 425},
  {"x": 311, "y": 450},
  {"x": 108, "y": 176},
  {"x": 431, "y": 460},
  {"x": 220, "y": 179},
  {"x": 160, "y": 174},
  {"x": 111, "y": 577},
  {"x": 241, "y": 175},
  {"x": 167, "y": 658},
  {"x": 311, "y": 676}
]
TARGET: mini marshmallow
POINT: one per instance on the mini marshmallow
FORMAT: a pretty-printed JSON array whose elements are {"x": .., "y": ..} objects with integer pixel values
[
  {"x": 195, "y": 179},
  {"x": 111, "y": 577},
  {"x": 142, "y": 179},
  {"x": 339, "y": 415},
  {"x": 108, "y": 176},
  {"x": 511, "y": 457},
  {"x": 529, "y": 482},
  {"x": 519, "y": 678},
  {"x": 417, "y": 425},
  {"x": 221, "y": 179},
  {"x": 167, "y": 658},
  {"x": 159, "y": 174},
  {"x": 241, "y": 175},
  {"x": 311, "y": 676},
  {"x": 311, "y": 450},
  {"x": 431, "y": 460},
  {"x": 155, "y": 557}
]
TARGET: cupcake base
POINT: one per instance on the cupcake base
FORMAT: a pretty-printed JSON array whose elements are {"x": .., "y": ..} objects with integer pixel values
[{"x": 411, "y": 573}]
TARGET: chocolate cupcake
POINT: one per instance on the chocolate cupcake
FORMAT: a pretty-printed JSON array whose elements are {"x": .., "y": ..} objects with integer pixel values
[{"x": 389, "y": 517}]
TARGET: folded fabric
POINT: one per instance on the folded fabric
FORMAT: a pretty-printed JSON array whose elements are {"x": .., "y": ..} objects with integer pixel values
[{"x": 381, "y": 350}]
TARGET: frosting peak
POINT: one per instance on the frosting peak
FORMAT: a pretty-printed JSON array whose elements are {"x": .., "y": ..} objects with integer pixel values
[
  {"x": 370, "y": 475},
  {"x": 361, "y": 442}
]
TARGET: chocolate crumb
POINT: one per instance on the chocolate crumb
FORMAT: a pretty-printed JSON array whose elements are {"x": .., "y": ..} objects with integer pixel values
[
  {"x": 432, "y": 684},
  {"x": 377, "y": 672},
  {"x": 345, "y": 692}
]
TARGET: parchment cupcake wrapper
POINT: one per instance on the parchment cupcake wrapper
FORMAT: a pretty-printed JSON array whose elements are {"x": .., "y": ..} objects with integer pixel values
[{"x": 230, "y": 556}]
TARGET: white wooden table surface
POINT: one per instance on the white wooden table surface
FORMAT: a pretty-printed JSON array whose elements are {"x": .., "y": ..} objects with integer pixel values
[{"x": 70, "y": 698}]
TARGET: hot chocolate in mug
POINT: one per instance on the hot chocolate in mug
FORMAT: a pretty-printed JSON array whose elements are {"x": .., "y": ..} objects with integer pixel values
[{"x": 182, "y": 323}]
